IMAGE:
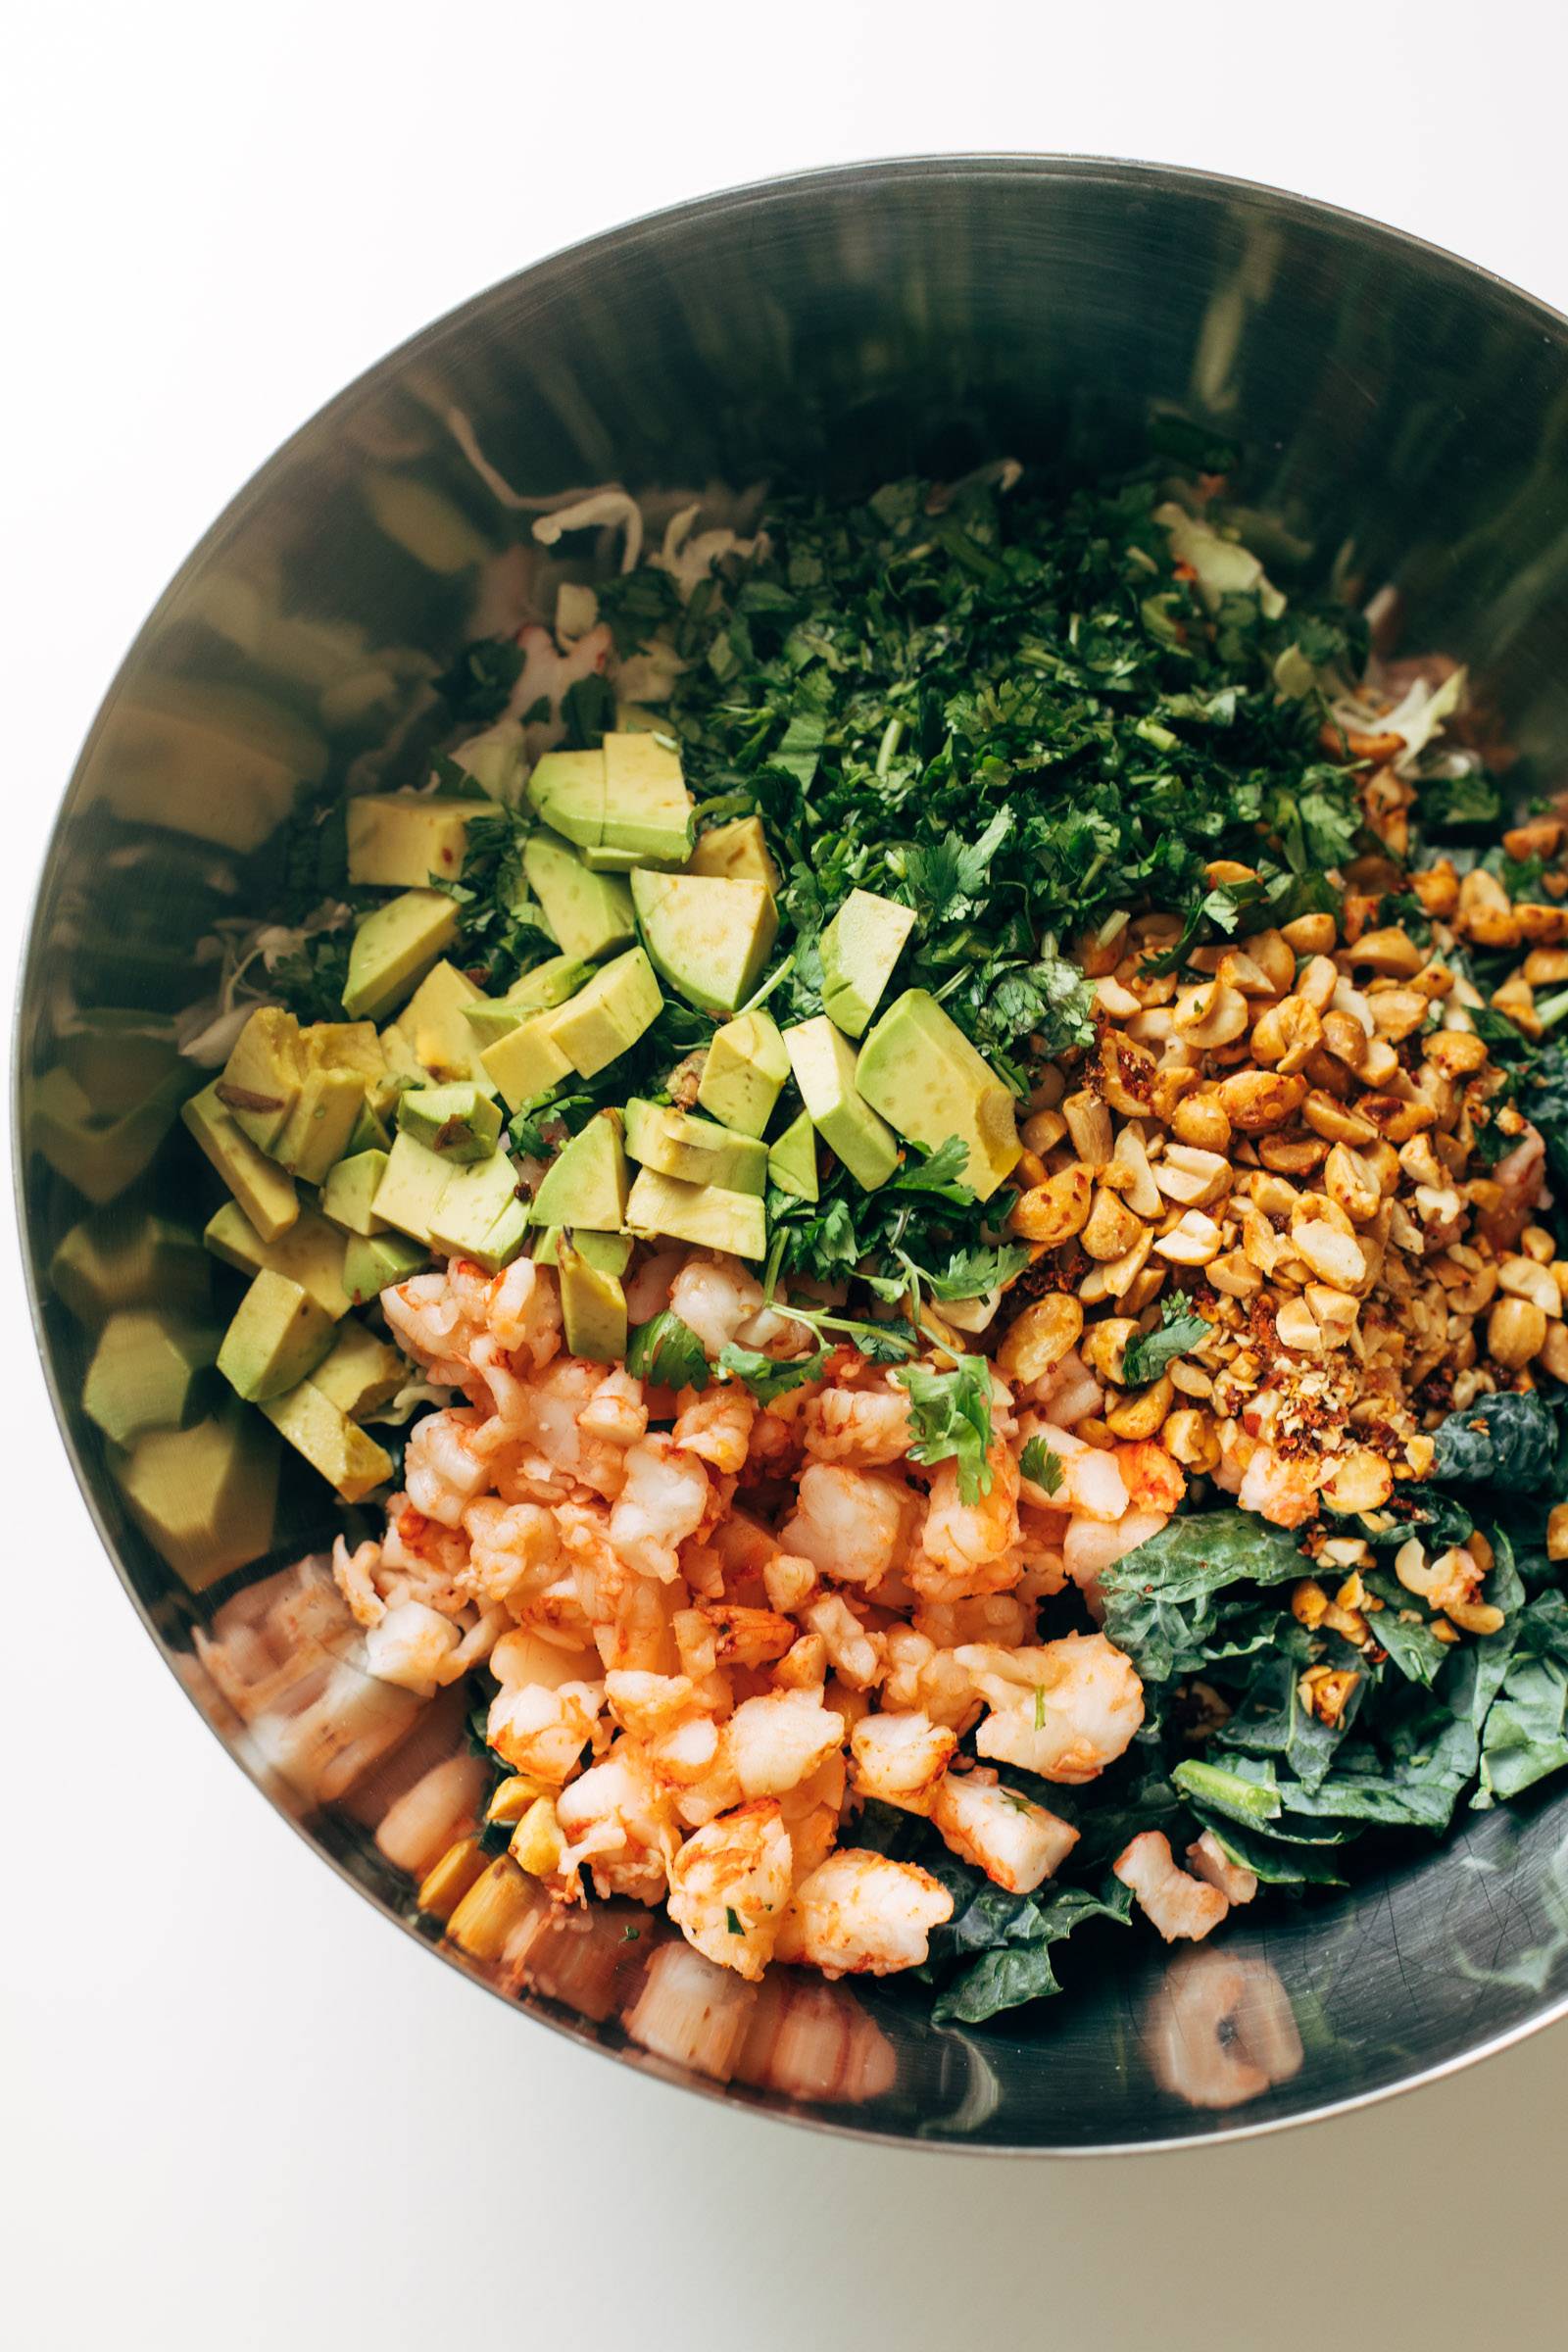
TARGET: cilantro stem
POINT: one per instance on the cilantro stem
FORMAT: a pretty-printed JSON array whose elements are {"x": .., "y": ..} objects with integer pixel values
[
  {"x": 773, "y": 980},
  {"x": 891, "y": 736}
]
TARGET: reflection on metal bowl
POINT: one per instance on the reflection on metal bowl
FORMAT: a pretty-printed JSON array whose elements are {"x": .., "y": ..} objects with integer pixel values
[{"x": 1401, "y": 412}]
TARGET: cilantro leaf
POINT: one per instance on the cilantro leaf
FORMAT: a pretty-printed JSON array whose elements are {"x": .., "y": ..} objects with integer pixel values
[
  {"x": 768, "y": 1376},
  {"x": 950, "y": 1419},
  {"x": 1146, "y": 1356},
  {"x": 1041, "y": 1466},
  {"x": 667, "y": 1354}
]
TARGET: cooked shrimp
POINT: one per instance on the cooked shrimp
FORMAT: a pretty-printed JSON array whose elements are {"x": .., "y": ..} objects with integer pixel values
[
  {"x": 1068, "y": 1392},
  {"x": 1176, "y": 1904},
  {"x": 850, "y": 1524},
  {"x": 444, "y": 1466},
  {"x": 899, "y": 1759},
  {"x": 410, "y": 1645},
  {"x": 1281, "y": 1490},
  {"x": 1208, "y": 1858},
  {"x": 648, "y": 1286},
  {"x": 868, "y": 1428},
  {"x": 616, "y": 1414},
  {"x": 1155, "y": 1480},
  {"x": 1016, "y": 1844},
  {"x": 969, "y": 1548},
  {"x": 716, "y": 1425},
  {"x": 861, "y": 1914},
  {"x": 714, "y": 1296},
  {"x": 523, "y": 1311},
  {"x": 1090, "y": 1544},
  {"x": 730, "y": 1885},
  {"x": 514, "y": 1549},
  {"x": 854, "y": 1654},
  {"x": 544, "y": 1731},
  {"x": 616, "y": 1818},
  {"x": 1064, "y": 1711},
  {"x": 773, "y": 1743},
  {"x": 922, "y": 1675},
  {"x": 661, "y": 1505}
]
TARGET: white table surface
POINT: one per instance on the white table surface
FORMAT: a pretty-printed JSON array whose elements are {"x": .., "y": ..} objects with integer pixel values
[{"x": 238, "y": 2109}]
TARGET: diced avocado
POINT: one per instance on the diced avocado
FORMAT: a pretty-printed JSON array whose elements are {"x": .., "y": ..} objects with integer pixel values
[
  {"x": 278, "y": 1336},
  {"x": 823, "y": 1061},
  {"x": 265, "y": 1191},
  {"x": 117, "y": 1259},
  {"x": 394, "y": 948},
  {"x": 589, "y": 914},
  {"x": 397, "y": 840},
  {"x": 648, "y": 809},
  {"x": 585, "y": 1184},
  {"x": 373, "y": 1261},
  {"x": 710, "y": 937},
  {"x": 527, "y": 1062},
  {"x": 490, "y": 1018},
  {"x": 919, "y": 1071},
  {"x": 541, "y": 990},
  {"x": 329, "y": 1440},
  {"x": 567, "y": 790},
  {"x": 495, "y": 760},
  {"x": 204, "y": 1496},
  {"x": 370, "y": 1135},
  {"x": 458, "y": 1121},
  {"x": 607, "y": 1017},
  {"x": 736, "y": 853},
  {"x": 261, "y": 1081},
  {"x": 345, "y": 1046},
  {"x": 350, "y": 1190},
  {"x": 792, "y": 1160},
  {"x": 410, "y": 1191},
  {"x": 101, "y": 1157},
  {"x": 860, "y": 948},
  {"x": 593, "y": 1309},
  {"x": 310, "y": 1252},
  {"x": 321, "y": 1123},
  {"x": 148, "y": 1371},
  {"x": 745, "y": 1071},
  {"x": 610, "y": 1253},
  {"x": 480, "y": 1215},
  {"x": 358, "y": 1371},
  {"x": 636, "y": 719},
  {"x": 695, "y": 1150},
  {"x": 432, "y": 1032},
  {"x": 703, "y": 1213}
]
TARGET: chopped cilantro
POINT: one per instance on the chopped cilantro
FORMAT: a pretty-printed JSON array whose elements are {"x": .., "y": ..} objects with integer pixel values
[
  {"x": 950, "y": 1420},
  {"x": 768, "y": 1376},
  {"x": 667, "y": 1354},
  {"x": 1181, "y": 1327},
  {"x": 1041, "y": 1466}
]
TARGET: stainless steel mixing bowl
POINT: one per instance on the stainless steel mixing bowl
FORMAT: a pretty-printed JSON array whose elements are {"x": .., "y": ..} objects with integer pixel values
[{"x": 1403, "y": 411}]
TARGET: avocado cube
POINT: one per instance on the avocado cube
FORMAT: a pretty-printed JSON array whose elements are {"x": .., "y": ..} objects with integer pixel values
[
  {"x": 737, "y": 853},
  {"x": 394, "y": 948},
  {"x": 481, "y": 1214},
  {"x": 410, "y": 1191},
  {"x": 372, "y": 1262},
  {"x": 745, "y": 1072},
  {"x": 703, "y": 1213},
  {"x": 495, "y": 760},
  {"x": 265, "y": 1191},
  {"x": 358, "y": 1371},
  {"x": 490, "y": 1018},
  {"x": 205, "y": 1496},
  {"x": 695, "y": 1150},
  {"x": 602, "y": 1020},
  {"x": 114, "y": 1259},
  {"x": 400, "y": 840},
  {"x": 369, "y": 1134},
  {"x": 457, "y": 1121},
  {"x": 589, "y": 914},
  {"x": 567, "y": 791},
  {"x": 919, "y": 1071},
  {"x": 278, "y": 1336},
  {"x": 541, "y": 990},
  {"x": 102, "y": 1157},
  {"x": 319, "y": 1125},
  {"x": 648, "y": 809},
  {"x": 860, "y": 948},
  {"x": 824, "y": 1063},
  {"x": 586, "y": 1181},
  {"x": 792, "y": 1160},
  {"x": 526, "y": 1062},
  {"x": 432, "y": 1036},
  {"x": 350, "y": 1190},
  {"x": 708, "y": 937},
  {"x": 310, "y": 1252},
  {"x": 593, "y": 1309},
  {"x": 329, "y": 1440},
  {"x": 261, "y": 1081},
  {"x": 610, "y": 1253},
  {"x": 148, "y": 1371}
]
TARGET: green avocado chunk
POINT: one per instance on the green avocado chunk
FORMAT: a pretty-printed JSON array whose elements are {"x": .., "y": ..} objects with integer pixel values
[
  {"x": 411, "y": 1186},
  {"x": 369, "y": 1134},
  {"x": 148, "y": 1371},
  {"x": 792, "y": 1160},
  {"x": 860, "y": 948},
  {"x": 318, "y": 1130},
  {"x": 358, "y": 1371},
  {"x": 825, "y": 1065},
  {"x": 394, "y": 948},
  {"x": 265, "y": 1191},
  {"x": 745, "y": 1071},
  {"x": 589, "y": 914},
  {"x": 608, "y": 1016},
  {"x": 708, "y": 937},
  {"x": 704, "y": 1213},
  {"x": 593, "y": 1308},
  {"x": 567, "y": 791},
  {"x": 610, "y": 1253},
  {"x": 261, "y": 1081},
  {"x": 479, "y": 1213},
  {"x": 118, "y": 1258},
  {"x": 495, "y": 760},
  {"x": 541, "y": 990},
  {"x": 648, "y": 809},
  {"x": 526, "y": 1062},
  {"x": 919, "y": 1071},
  {"x": 585, "y": 1184},
  {"x": 205, "y": 1496},
  {"x": 101, "y": 1157},
  {"x": 399, "y": 840},
  {"x": 694, "y": 1150},
  {"x": 432, "y": 1035},
  {"x": 737, "y": 853},
  {"x": 458, "y": 1121},
  {"x": 350, "y": 1190},
  {"x": 278, "y": 1336},
  {"x": 310, "y": 1252},
  {"x": 372, "y": 1262},
  {"x": 329, "y": 1440}
]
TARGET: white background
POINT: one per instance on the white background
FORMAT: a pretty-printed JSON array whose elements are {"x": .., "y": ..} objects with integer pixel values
[{"x": 237, "y": 2108}]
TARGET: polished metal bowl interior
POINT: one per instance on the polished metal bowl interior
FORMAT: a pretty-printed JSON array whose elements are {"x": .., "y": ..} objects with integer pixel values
[{"x": 1403, "y": 415}]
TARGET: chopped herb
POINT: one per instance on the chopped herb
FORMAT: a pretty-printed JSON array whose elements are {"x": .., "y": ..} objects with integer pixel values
[
  {"x": 950, "y": 1420},
  {"x": 768, "y": 1376},
  {"x": 667, "y": 1354},
  {"x": 1148, "y": 1356},
  {"x": 1041, "y": 1466},
  {"x": 732, "y": 1920}
]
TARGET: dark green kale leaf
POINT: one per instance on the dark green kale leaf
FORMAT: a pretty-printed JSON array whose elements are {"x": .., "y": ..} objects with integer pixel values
[
  {"x": 1525, "y": 1734},
  {"x": 1181, "y": 1328},
  {"x": 1508, "y": 1440},
  {"x": 1162, "y": 1601},
  {"x": 1002, "y": 1943}
]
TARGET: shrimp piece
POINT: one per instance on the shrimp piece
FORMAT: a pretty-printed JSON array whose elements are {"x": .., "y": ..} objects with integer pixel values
[
  {"x": 1092, "y": 1482},
  {"x": 730, "y": 1885},
  {"x": 919, "y": 1674},
  {"x": 409, "y": 1645},
  {"x": 1520, "y": 1173},
  {"x": 856, "y": 1654},
  {"x": 860, "y": 1914},
  {"x": 513, "y": 1551},
  {"x": 354, "y": 1574},
  {"x": 850, "y": 1524},
  {"x": 1069, "y": 1392},
  {"x": 900, "y": 1759},
  {"x": 788, "y": 1581},
  {"x": 995, "y": 1617},
  {"x": 616, "y": 1818},
  {"x": 647, "y": 1287},
  {"x": 443, "y": 1467},
  {"x": 1090, "y": 1544},
  {"x": 523, "y": 1311},
  {"x": 1175, "y": 1904},
  {"x": 716, "y": 1425},
  {"x": 661, "y": 1505},
  {"x": 650, "y": 1705},
  {"x": 866, "y": 1428},
  {"x": 1064, "y": 1711},
  {"x": 778, "y": 1434},
  {"x": 773, "y": 1743},
  {"x": 628, "y": 1614},
  {"x": 1017, "y": 1843},
  {"x": 714, "y": 1296},
  {"x": 433, "y": 1323},
  {"x": 616, "y": 1414},
  {"x": 544, "y": 1731},
  {"x": 1155, "y": 1480},
  {"x": 520, "y": 1659},
  {"x": 744, "y": 1637},
  {"x": 1280, "y": 1489},
  {"x": 1209, "y": 1860},
  {"x": 970, "y": 1548}
]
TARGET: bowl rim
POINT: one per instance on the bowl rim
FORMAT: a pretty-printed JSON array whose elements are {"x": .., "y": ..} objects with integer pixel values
[{"x": 960, "y": 165}]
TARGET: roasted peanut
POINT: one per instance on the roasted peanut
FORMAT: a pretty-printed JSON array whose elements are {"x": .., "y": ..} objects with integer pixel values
[
  {"x": 1054, "y": 1211},
  {"x": 1036, "y": 1343},
  {"x": 1256, "y": 1101}
]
